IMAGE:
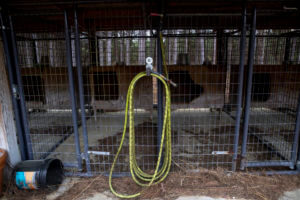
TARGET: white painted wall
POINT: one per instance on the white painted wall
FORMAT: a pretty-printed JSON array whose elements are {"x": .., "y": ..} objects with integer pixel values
[{"x": 8, "y": 137}]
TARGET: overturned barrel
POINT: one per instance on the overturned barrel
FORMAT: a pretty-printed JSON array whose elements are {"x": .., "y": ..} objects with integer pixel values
[{"x": 34, "y": 174}]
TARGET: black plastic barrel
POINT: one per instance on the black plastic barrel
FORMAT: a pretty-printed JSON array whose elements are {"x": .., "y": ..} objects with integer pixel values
[{"x": 34, "y": 174}]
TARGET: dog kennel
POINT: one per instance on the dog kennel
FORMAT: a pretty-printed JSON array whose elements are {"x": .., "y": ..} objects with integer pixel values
[{"x": 236, "y": 66}]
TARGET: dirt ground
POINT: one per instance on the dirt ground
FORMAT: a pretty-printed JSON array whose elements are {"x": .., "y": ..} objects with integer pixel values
[{"x": 217, "y": 183}]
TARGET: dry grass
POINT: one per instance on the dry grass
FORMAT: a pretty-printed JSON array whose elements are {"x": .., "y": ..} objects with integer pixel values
[{"x": 214, "y": 183}]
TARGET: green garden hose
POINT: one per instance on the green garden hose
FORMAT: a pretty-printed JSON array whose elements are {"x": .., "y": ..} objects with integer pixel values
[
  {"x": 140, "y": 177},
  {"x": 161, "y": 172}
]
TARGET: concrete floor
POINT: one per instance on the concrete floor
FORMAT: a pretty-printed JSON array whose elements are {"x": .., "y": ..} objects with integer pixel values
[
  {"x": 184, "y": 121},
  {"x": 200, "y": 132},
  {"x": 107, "y": 125},
  {"x": 48, "y": 129}
]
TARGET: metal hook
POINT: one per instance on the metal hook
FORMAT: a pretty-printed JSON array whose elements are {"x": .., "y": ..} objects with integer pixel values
[{"x": 149, "y": 66}]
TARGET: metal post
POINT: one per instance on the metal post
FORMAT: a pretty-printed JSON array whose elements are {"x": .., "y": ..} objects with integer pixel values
[
  {"x": 81, "y": 93},
  {"x": 94, "y": 49},
  {"x": 160, "y": 107},
  {"x": 159, "y": 93},
  {"x": 20, "y": 90},
  {"x": 296, "y": 137},
  {"x": 287, "y": 50},
  {"x": 268, "y": 164},
  {"x": 221, "y": 50},
  {"x": 240, "y": 89},
  {"x": 226, "y": 41},
  {"x": 251, "y": 52},
  {"x": 72, "y": 91},
  {"x": 20, "y": 133}
]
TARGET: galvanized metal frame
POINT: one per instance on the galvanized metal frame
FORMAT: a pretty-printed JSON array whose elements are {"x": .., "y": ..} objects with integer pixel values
[
  {"x": 295, "y": 149},
  {"x": 20, "y": 91},
  {"x": 291, "y": 164},
  {"x": 240, "y": 88},
  {"x": 160, "y": 109},
  {"x": 9, "y": 68},
  {"x": 251, "y": 53},
  {"x": 72, "y": 91},
  {"x": 81, "y": 92},
  {"x": 237, "y": 117},
  {"x": 244, "y": 163}
]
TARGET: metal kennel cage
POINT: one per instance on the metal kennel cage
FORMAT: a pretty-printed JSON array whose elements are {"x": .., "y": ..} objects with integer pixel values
[{"x": 238, "y": 75}]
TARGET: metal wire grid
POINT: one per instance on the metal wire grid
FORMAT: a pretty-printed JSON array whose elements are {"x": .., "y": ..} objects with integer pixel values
[
  {"x": 203, "y": 132},
  {"x": 203, "y": 104},
  {"x": 195, "y": 119},
  {"x": 119, "y": 54},
  {"x": 216, "y": 127},
  {"x": 275, "y": 93},
  {"x": 123, "y": 47},
  {"x": 42, "y": 59}
]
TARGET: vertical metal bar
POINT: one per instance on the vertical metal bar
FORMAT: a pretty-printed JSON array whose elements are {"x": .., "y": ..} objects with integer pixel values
[
  {"x": 20, "y": 91},
  {"x": 251, "y": 52},
  {"x": 94, "y": 49},
  {"x": 20, "y": 133},
  {"x": 81, "y": 93},
  {"x": 240, "y": 89},
  {"x": 220, "y": 47},
  {"x": 228, "y": 73},
  {"x": 34, "y": 56},
  {"x": 160, "y": 106},
  {"x": 287, "y": 50},
  {"x": 159, "y": 93},
  {"x": 296, "y": 137},
  {"x": 72, "y": 90},
  {"x": 226, "y": 41},
  {"x": 226, "y": 63}
]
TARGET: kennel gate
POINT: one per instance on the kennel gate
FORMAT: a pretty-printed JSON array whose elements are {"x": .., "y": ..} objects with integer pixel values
[{"x": 75, "y": 74}]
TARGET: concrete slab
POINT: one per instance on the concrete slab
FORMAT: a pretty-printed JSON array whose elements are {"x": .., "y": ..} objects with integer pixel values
[
  {"x": 105, "y": 125},
  {"x": 203, "y": 198},
  {"x": 107, "y": 196},
  {"x": 48, "y": 129},
  {"x": 63, "y": 188},
  {"x": 200, "y": 133},
  {"x": 103, "y": 196},
  {"x": 291, "y": 195}
]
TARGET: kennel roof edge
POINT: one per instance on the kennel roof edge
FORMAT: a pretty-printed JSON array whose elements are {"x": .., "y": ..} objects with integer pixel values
[{"x": 208, "y": 14}]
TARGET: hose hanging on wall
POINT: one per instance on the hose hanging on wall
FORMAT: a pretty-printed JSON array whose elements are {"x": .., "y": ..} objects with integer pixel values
[{"x": 138, "y": 175}]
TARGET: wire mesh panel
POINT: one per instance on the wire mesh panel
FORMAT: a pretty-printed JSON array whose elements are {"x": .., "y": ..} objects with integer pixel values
[
  {"x": 202, "y": 53},
  {"x": 202, "y": 132},
  {"x": 275, "y": 94},
  {"x": 117, "y": 54},
  {"x": 42, "y": 59},
  {"x": 202, "y": 103}
]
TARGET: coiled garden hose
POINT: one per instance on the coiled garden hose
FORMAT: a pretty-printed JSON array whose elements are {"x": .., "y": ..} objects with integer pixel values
[{"x": 140, "y": 177}]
